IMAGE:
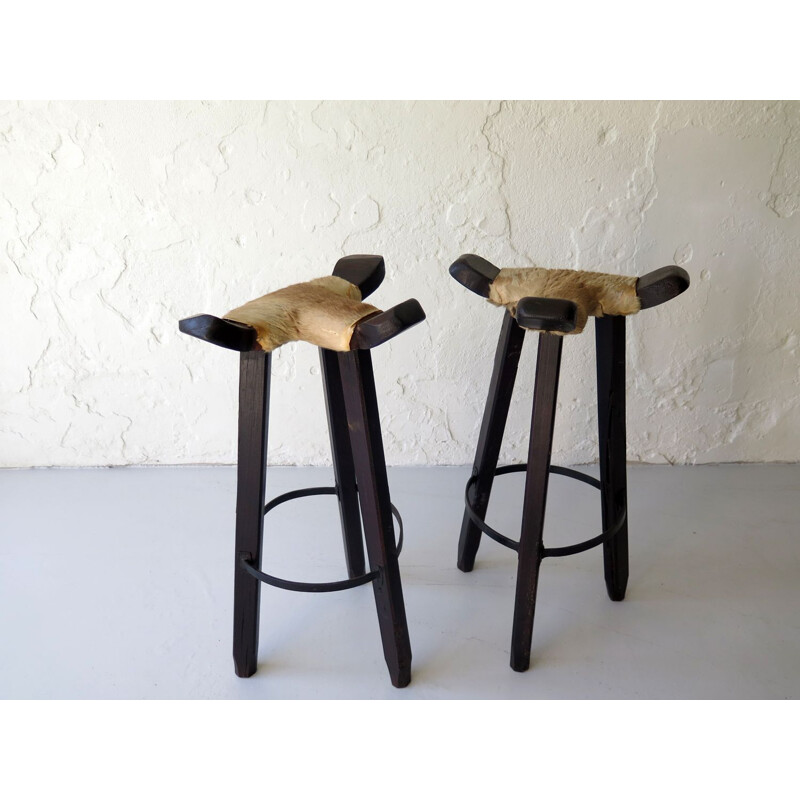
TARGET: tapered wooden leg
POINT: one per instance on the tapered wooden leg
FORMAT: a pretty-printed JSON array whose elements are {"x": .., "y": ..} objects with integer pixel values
[
  {"x": 361, "y": 404},
  {"x": 254, "y": 379},
  {"x": 343, "y": 470},
  {"x": 610, "y": 341},
  {"x": 548, "y": 366},
  {"x": 506, "y": 361}
]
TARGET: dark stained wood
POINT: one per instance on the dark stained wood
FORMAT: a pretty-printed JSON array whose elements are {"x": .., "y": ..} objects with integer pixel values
[
  {"x": 474, "y": 272},
  {"x": 342, "y": 457},
  {"x": 547, "y": 314},
  {"x": 221, "y": 332},
  {"x": 358, "y": 460},
  {"x": 661, "y": 285},
  {"x": 495, "y": 414},
  {"x": 254, "y": 382},
  {"x": 381, "y": 327},
  {"x": 545, "y": 392},
  {"x": 366, "y": 272},
  {"x": 610, "y": 343},
  {"x": 373, "y": 490}
]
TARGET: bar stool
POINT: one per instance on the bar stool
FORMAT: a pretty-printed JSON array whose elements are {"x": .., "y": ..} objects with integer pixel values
[
  {"x": 326, "y": 312},
  {"x": 553, "y": 303}
]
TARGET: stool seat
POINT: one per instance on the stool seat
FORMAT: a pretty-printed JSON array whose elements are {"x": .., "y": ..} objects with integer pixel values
[
  {"x": 326, "y": 312},
  {"x": 323, "y": 312},
  {"x": 594, "y": 294}
]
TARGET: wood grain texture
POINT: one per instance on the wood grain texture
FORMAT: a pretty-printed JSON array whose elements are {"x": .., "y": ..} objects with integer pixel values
[
  {"x": 366, "y": 272},
  {"x": 495, "y": 415},
  {"x": 475, "y": 273},
  {"x": 343, "y": 468},
  {"x": 221, "y": 332},
  {"x": 251, "y": 472},
  {"x": 610, "y": 343},
  {"x": 661, "y": 285},
  {"x": 547, "y": 314},
  {"x": 380, "y": 327},
  {"x": 545, "y": 393},
  {"x": 373, "y": 492}
]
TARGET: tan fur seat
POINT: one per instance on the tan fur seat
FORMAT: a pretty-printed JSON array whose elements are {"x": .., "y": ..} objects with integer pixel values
[
  {"x": 595, "y": 294},
  {"x": 323, "y": 312}
]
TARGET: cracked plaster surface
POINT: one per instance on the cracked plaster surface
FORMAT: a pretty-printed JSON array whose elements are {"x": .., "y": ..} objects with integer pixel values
[{"x": 117, "y": 219}]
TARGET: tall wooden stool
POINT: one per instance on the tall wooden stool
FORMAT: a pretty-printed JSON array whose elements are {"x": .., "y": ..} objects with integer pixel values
[
  {"x": 326, "y": 312},
  {"x": 554, "y": 303}
]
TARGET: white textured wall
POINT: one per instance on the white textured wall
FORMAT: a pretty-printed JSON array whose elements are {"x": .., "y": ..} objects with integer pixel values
[{"x": 117, "y": 219}]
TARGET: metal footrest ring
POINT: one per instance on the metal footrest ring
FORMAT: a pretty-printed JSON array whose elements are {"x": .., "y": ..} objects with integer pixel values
[
  {"x": 546, "y": 551},
  {"x": 302, "y": 586}
]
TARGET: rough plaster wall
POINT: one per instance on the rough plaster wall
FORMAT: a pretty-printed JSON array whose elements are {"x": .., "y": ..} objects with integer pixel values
[{"x": 117, "y": 219}]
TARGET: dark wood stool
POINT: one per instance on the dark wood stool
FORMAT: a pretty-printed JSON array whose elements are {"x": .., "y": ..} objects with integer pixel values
[
  {"x": 566, "y": 298},
  {"x": 327, "y": 312}
]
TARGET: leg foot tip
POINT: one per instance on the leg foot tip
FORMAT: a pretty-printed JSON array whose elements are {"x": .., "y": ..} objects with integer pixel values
[
  {"x": 615, "y": 593},
  {"x": 401, "y": 681},
  {"x": 520, "y": 664}
]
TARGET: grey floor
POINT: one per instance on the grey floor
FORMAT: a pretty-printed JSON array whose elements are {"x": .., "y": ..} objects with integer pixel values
[{"x": 117, "y": 583}]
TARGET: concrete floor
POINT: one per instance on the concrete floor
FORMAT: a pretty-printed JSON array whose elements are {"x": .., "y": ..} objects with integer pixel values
[{"x": 117, "y": 583}]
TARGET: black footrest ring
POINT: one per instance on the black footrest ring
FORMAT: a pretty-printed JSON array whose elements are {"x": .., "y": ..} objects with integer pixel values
[
  {"x": 545, "y": 551},
  {"x": 302, "y": 586},
  {"x": 327, "y": 586}
]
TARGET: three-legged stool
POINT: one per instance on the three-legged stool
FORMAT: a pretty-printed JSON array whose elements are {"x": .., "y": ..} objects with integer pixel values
[
  {"x": 555, "y": 302},
  {"x": 326, "y": 312}
]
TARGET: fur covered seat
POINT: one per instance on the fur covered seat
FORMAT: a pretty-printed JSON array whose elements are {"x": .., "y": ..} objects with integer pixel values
[
  {"x": 595, "y": 294},
  {"x": 561, "y": 300},
  {"x": 323, "y": 312},
  {"x": 327, "y": 312}
]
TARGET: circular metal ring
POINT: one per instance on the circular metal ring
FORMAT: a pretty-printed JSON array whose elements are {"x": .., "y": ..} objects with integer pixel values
[
  {"x": 545, "y": 551},
  {"x": 327, "y": 586}
]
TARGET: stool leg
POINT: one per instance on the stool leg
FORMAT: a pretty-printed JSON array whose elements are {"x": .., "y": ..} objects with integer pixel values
[
  {"x": 373, "y": 493},
  {"x": 548, "y": 366},
  {"x": 254, "y": 378},
  {"x": 610, "y": 342},
  {"x": 495, "y": 415},
  {"x": 343, "y": 469}
]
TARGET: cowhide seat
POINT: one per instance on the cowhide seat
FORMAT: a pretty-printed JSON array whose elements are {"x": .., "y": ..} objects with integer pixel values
[
  {"x": 330, "y": 313},
  {"x": 553, "y": 303}
]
